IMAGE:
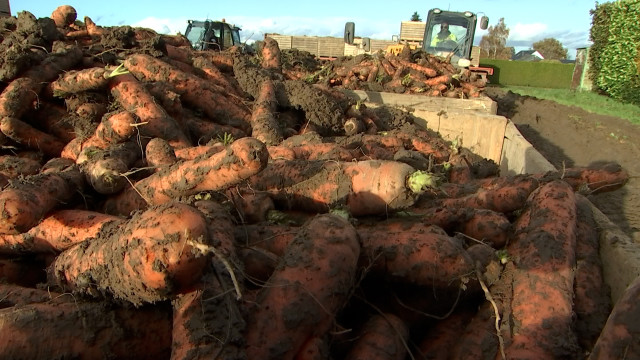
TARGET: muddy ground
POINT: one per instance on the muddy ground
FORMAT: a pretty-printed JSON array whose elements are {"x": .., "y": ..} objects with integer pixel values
[{"x": 570, "y": 136}]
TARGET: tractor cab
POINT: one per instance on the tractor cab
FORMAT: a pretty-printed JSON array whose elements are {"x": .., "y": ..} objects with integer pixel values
[
  {"x": 212, "y": 35},
  {"x": 450, "y": 33}
]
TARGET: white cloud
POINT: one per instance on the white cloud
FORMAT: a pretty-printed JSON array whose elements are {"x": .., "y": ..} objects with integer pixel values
[
  {"x": 163, "y": 26},
  {"x": 526, "y": 32},
  {"x": 254, "y": 28}
]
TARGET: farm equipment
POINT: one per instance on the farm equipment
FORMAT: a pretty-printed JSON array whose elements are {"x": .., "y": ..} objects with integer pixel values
[
  {"x": 459, "y": 48},
  {"x": 212, "y": 35}
]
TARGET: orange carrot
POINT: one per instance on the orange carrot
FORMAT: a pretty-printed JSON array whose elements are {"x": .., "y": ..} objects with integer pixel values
[
  {"x": 167, "y": 97},
  {"x": 223, "y": 60},
  {"x": 383, "y": 337},
  {"x": 193, "y": 89},
  {"x": 442, "y": 338},
  {"x": 183, "y": 54},
  {"x": 193, "y": 152},
  {"x": 28, "y": 199},
  {"x": 592, "y": 301},
  {"x": 25, "y": 134},
  {"x": 59, "y": 231},
  {"x": 252, "y": 206},
  {"x": 159, "y": 154},
  {"x": 69, "y": 334},
  {"x": 364, "y": 188},
  {"x": 116, "y": 127},
  {"x": 152, "y": 258},
  {"x": 55, "y": 120},
  {"x": 76, "y": 81},
  {"x": 619, "y": 337},
  {"x": 478, "y": 338},
  {"x": 105, "y": 169},
  {"x": 263, "y": 121},
  {"x": 353, "y": 126},
  {"x": 201, "y": 329},
  {"x": 273, "y": 238},
  {"x": 155, "y": 122},
  {"x": 64, "y": 16},
  {"x": 398, "y": 62},
  {"x": 322, "y": 151},
  {"x": 54, "y": 64},
  {"x": 19, "y": 97},
  {"x": 93, "y": 29},
  {"x": 215, "y": 75},
  {"x": 314, "y": 277},
  {"x": 487, "y": 226},
  {"x": 242, "y": 159},
  {"x": 504, "y": 194},
  {"x": 544, "y": 249},
  {"x": 203, "y": 131},
  {"x": 593, "y": 179},
  {"x": 415, "y": 253},
  {"x": 16, "y": 295},
  {"x": 271, "y": 57},
  {"x": 13, "y": 166}
]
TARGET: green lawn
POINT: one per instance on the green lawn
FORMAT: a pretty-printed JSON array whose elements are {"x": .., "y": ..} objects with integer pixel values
[{"x": 589, "y": 101}]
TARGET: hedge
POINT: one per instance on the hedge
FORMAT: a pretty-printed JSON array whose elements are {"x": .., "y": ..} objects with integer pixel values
[
  {"x": 529, "y": 73},
  {"x": 614, "y": 58}
]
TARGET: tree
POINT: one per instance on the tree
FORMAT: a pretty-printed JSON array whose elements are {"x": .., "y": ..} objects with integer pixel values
[
  {"x": 494, "y": 44},
  {"x": 551, "y": 49},
  {"x": 415, "y": 17}
]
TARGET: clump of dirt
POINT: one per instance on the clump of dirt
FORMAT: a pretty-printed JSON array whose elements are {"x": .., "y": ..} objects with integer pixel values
[
  {"x": 300, "y": 60},
  {"x": 25, "y": 44}
]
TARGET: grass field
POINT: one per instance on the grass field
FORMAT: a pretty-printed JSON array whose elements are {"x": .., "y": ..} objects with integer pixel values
[{"x": 588, "y": 101}]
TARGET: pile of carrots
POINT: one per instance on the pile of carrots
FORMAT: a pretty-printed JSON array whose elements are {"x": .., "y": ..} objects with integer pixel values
[
  {"x": 408, "y": 72},
  {"x": 163, "y": 203}
]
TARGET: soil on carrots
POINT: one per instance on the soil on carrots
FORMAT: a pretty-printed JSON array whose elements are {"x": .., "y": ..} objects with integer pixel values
[
  {"x": 27, "y": 46},
  {"x": 570, "y": 136}
]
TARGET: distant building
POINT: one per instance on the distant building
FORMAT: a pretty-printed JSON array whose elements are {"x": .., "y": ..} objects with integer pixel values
[{"x": 528, "y": 55}]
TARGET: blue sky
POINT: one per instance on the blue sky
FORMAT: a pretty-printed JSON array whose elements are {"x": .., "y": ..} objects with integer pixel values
[{"x": 568, "y": 21}]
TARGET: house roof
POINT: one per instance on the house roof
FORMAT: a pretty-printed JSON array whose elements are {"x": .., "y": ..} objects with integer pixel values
[{"x": 528, "y": 55}]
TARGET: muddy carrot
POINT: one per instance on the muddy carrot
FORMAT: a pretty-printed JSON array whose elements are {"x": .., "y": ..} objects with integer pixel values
[
  {"x": 155, "y": 122},
  {"x": 152, "y": 258},
  {"x": 242, "y": 159},
  {"x": 316, "y": 277}
]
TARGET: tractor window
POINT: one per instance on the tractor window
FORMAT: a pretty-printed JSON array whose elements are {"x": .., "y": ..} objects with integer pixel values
[
  {"x": 227, "y": 41},
  {"x": 236, "y": 36},
  {"x": 446, "y": 35},
  {"x": 195, "y": 35}
]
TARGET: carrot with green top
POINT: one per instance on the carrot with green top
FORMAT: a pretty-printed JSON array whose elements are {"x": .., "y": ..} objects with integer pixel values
[
  {"x": 370, "y": 187},
  {"x": 75, "y": 81}
]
